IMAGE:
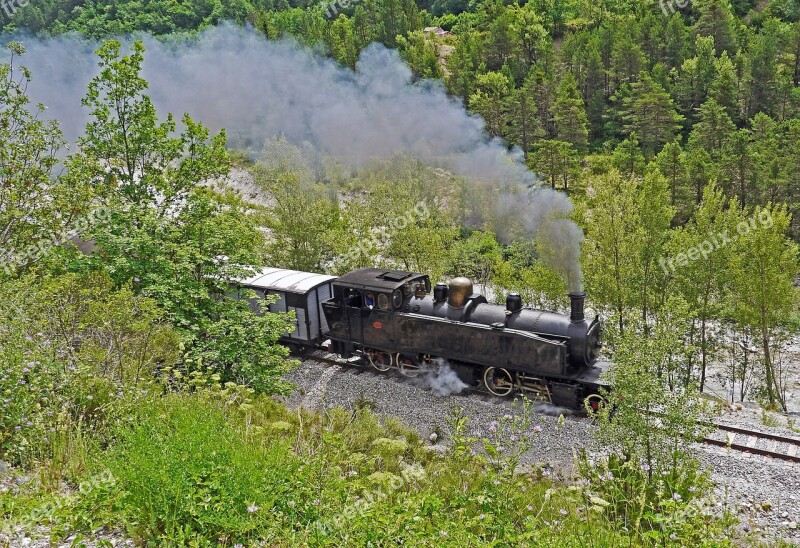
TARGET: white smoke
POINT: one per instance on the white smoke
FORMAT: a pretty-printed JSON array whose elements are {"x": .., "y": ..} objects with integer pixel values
[
  {"x": 235, "y": 79},
  {"x": 442, "y": 379}
]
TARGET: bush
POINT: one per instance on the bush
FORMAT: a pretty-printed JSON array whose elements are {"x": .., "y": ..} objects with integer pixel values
[
  {"x": 71, "y": 349},
  {"x": 187, "y": 473}
]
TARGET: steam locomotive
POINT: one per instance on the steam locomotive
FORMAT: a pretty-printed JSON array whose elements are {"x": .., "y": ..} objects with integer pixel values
[{"x": 392, "y": 319}]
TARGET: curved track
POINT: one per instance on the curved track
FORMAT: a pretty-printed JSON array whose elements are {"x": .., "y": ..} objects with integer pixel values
[{"x": 733, "y": 437}]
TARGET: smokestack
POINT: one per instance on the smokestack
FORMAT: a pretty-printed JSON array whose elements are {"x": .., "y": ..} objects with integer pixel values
[{"x": 577, "y": 299}]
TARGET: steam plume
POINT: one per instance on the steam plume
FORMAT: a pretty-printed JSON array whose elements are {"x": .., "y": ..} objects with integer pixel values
[
  {"x": 235, "y": 79},
  {"x": 442, "y": 380}
]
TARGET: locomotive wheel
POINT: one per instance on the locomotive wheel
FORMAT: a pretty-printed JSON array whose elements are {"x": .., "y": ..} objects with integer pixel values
[
  {"x": 382, "y": 361},
  {"x": 593, "y": 403},
  {"x": 408, "y": 366},
  {"x": 498, "y": 381}
]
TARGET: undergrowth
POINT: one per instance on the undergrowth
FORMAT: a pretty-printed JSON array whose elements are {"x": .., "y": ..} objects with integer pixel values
[{"x": 218, "y": 465}]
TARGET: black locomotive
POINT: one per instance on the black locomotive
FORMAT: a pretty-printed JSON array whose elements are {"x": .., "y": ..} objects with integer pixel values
[{"x": 391, "y": 318}]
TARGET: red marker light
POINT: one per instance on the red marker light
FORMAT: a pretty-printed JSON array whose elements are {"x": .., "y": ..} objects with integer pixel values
[{"x": 377, "y": 325}]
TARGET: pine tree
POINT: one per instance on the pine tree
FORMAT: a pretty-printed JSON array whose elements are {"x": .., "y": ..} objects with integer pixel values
[
  {"x": 524, "y": 128},
  {"x": 725, "y": 88},
  {"x": 556, "y": 160},
  {"x": 463, "y": 65},
  {"x": 712, "y": 130},
  {"x": 650, "y": 113},
  {"x": 716, "y": 20},
  {"x": 490, "y": 100},
  {"x": 738, "y": 165},
  {"x": 670, "y": 163},
  {"x": 569, "y": 114}
]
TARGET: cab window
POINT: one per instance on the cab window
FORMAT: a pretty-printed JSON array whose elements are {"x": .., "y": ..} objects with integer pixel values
[{"x": 352, "y": 298}]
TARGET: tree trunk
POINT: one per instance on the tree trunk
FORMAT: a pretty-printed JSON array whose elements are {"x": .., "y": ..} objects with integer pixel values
[{"x": 773, "y": 385}]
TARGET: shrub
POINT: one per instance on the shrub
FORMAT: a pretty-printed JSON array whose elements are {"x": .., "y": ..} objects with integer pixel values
[{"x": 186, "y": 472}]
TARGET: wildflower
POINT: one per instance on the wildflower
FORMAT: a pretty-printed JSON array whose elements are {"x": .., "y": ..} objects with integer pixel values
[
  {"x": 493, "y": 427},
  {"x": 562, "y": 512},
  {"x": 676, "y": 496},
  {"x": 442, "y": 533},
  {"x": 530, "y": 508},
  {"x": 291, "y": 504},
  {"x": 496, "y": 482},
  {"x": 481, "y": 516},
  {"x": 692, "y": 489},
  {"x": 507, "y": 417},
  {"x": 645, "y": 467},
  {"x": 352, "y": 473},
  {"x": 746, "y": 528},
  {"x": 598, "y": 501},
  {"x": 673, "y": 536},
  {"x": 561, "y": 420},
  {"x": 500, "y": 448},
  {"x": 513, "y": 437},
  {"x": 252, "y": 508},
  {"x": 315, "y": 502},
  {"x": 537, "y": 429},
  {"x": 433, "y": 437}
]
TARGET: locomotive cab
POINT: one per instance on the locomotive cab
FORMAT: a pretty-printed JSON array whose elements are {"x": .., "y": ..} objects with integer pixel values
[{"x": 363, "y": 304}]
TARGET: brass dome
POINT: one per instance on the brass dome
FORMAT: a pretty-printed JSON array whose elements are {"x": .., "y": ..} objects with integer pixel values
[{"x": 460, "y": 290}]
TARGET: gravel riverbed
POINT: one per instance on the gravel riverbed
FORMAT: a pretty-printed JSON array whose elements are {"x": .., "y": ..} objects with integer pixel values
[{"x": 764, "y": 492}]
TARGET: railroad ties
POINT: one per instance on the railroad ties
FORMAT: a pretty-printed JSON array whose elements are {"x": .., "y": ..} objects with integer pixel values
[{"x": 755, "y": 442}]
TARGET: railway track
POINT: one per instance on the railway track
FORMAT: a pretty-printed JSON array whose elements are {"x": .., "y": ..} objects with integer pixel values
[
  {"x": 733, "y": 437},
  {"x": 755, "y": 442}
]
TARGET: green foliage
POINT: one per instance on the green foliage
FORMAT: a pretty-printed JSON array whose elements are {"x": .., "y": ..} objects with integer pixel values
[
  {"x": 104, "y": 18},
  {"x": 168, "y": 235},
  {"x": 37, "y": 205},
  {"x": 650, "y": 423},
  {"x": 475, "y": 256},
  {"x": 186, "y": 473},
  {"x": 71, "y": 349}
]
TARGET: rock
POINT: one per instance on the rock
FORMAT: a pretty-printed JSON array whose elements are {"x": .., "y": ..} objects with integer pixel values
[
  {"x": 792, "y": 525},
  {"x": 784, "y": 514},
  {"x": 437, "y": 449},
  {"x": 766, "y": 506}
]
